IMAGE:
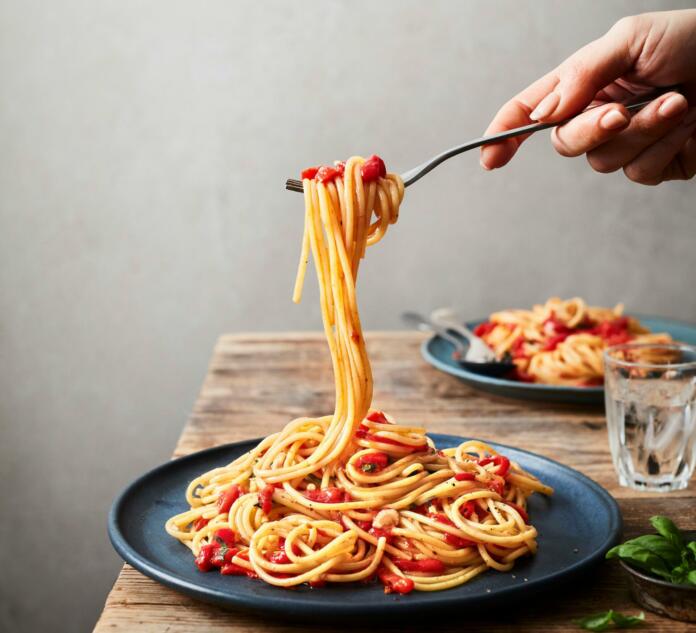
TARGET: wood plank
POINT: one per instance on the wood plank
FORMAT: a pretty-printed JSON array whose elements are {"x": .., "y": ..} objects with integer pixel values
[{"x": 256, "y": 383}]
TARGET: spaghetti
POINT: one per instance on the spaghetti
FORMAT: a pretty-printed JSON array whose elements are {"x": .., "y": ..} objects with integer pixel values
[
  {"x": 561, "y": 342},
  {"x": 353, "y": 495}
]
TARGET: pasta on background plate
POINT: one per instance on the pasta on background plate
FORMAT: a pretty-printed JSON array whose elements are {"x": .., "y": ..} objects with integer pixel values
[{"x": 562, "y": 342}]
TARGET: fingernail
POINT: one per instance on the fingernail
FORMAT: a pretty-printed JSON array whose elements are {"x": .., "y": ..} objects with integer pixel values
[
  {"x": 613, "y": 120},
  {"x": 486, "y": 167},
  {"x": 547, "y": 105},
  {"x": 690, "y": 117},
  {"x": 672, "y": 106}
]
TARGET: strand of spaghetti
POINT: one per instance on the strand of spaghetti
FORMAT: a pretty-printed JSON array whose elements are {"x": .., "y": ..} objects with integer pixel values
[{"x": 304, "y": 252}]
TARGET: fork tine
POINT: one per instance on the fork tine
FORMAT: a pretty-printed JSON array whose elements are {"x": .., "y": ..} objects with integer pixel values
[{"x": 294, "y": 185}]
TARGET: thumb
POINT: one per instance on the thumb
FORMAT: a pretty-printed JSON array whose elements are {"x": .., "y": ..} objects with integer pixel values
[{"x": 580, "y": 77}]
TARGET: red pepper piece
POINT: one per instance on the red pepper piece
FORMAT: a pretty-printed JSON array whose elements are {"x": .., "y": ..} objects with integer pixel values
[
  {"x": 552, "y": 326},
  {"x": 230, "y": 569},
  {"x": 485, "y": 328},
  {"x": 381, "y": 532},
  {"x": 310, "y": 172},
  {"x": 223, "y": 555},
  {"x": 469, "y": 510},
  {"x": 502, "y": 464},
  {"x": 553, "y": 342},
  {"x": 608, "y": 330},
  {"x": 496, "y": 486},
  {"x": 227, "y": 536},
  {"x": 517, "y": 349},
  {"x": 326, "y": 173},
  {"x": 425, "y": 565},
  {"x": 295, "y": 546},
  {"x": 372, "y": 462},
  {"x": 373, "y": 168},
  {"x": 394, "y": 582},
  {"x": 200, "y": 523},
  {"x": 266, "y": 499},
  {"x": 225, "y": 501},
  {"x": 443, "y": 518},
  {"x": 325, "y": 495},
  {"x": 522, "y": 512},
  {"x": 458, "y": 541},
  {"x": 279, "y": 557},
  {"x": 453, "y": 539},
  {"x": 378, "y": 416},
  {"x": 205, "y": 555},
  {"x": 465, "y": 476},
  {"x": 618, "y": 339}
]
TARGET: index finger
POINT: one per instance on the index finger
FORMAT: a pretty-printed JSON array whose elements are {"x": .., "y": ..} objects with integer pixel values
[
  {"x": 564, "y": 91},
  {"x": 515, "y": 113}
]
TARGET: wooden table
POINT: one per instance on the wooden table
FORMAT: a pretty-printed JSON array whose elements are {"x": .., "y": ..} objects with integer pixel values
[{"x": 256, "y": 383}]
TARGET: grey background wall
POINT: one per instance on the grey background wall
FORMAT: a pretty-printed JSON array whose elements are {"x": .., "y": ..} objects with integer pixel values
[{"x": 143, "y": 153}]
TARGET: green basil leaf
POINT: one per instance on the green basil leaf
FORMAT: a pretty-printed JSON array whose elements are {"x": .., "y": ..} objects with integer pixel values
[
  {"x": 679, "y": 575},
  {"x": 692, "y": 577},
  {"x": 627, "y": 621},
  {"x": 609, "y": 619},
  {"x": 643, "y": 559},
  {"x": 666, "y": 528},
  {"x": 691, "y": 547},
  {"x": 596, "y": 622},
  {"x": 642, "y": 553},
  {"x": 661, "y": 547}
]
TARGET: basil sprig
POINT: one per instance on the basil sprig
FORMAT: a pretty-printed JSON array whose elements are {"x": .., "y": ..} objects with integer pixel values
[
  {"x": 664, "y": 554},
  {"x": 610, "y": 619}
]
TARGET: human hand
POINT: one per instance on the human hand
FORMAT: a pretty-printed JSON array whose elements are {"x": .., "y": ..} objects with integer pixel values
[{"x": 637, "y": 55}]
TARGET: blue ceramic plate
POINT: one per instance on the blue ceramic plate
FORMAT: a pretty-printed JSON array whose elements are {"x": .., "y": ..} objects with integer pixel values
[
  {"x": 577, "y": 525},
  {"x": 438, "y": 352}
]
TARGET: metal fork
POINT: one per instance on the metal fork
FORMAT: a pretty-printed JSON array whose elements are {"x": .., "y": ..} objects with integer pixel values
[
  {"x": 417, "y": 173},
  {"x": 478, "y": 350}
]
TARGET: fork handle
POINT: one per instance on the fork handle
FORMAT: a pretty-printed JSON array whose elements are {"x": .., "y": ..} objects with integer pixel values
[{"x": 419, "y": 172}]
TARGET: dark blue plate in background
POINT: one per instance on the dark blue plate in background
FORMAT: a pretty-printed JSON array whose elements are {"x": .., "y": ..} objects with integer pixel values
[
  {"x": 576, "y": 526},
  {"x": 438, "y": 352}
]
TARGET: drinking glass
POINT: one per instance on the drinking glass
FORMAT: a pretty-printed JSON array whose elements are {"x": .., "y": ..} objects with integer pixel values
[{"x": 650, "y": 394}]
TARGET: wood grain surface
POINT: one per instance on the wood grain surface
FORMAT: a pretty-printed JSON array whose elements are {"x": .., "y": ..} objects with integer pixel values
[{"x": 256, "y": 383}]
